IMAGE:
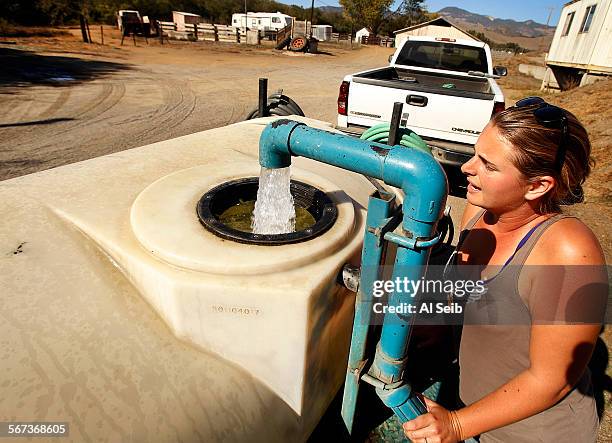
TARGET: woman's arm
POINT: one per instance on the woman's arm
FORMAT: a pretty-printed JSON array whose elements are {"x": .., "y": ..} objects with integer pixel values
[
  {"x": 570, "y": 253},
  {"x": 558, "y": 353},
  {"x": 558, "y": 356}
]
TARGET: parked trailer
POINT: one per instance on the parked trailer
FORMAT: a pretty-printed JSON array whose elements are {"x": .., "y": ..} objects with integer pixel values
[{"x": 263, "y": 21}]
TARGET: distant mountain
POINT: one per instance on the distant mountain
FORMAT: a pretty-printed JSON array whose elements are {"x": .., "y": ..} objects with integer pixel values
[
  {"x": 334, "y": 9},
  {"x": 512, "y": 28}
]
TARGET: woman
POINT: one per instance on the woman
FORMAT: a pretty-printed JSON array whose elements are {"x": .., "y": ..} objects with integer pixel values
[{"x": 523, "y": 365}]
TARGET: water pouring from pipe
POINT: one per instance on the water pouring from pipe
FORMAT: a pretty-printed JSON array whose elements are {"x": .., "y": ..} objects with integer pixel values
[{"x": 275, "y": 211}]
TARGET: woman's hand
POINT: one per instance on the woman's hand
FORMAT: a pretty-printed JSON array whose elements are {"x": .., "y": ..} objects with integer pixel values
[{"x": 434, "y": 427}]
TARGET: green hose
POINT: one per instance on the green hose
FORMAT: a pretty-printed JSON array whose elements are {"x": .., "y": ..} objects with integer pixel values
[{"x": 410, "y": 139}]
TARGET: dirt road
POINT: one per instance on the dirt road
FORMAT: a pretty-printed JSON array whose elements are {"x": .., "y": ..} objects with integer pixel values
[{"x": 124, "y": 97}]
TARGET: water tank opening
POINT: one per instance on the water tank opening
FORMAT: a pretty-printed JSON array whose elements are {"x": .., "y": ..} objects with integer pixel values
[{"x": 226, "y": 211}]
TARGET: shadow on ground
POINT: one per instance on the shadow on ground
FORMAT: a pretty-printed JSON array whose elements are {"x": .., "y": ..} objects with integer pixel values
[{"x": 23, "y": 68}]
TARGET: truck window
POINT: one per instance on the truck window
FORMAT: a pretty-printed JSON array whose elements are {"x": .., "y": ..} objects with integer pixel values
[
  {"x": 275, "y": 20},
  {"x": 440, "y": 55}
]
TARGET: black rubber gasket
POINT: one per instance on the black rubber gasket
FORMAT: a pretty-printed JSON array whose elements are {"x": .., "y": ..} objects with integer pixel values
[{"x": 218, "y": 199}]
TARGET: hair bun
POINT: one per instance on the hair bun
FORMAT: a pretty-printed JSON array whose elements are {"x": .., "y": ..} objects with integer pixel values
[{"x": 574, "y": 195}]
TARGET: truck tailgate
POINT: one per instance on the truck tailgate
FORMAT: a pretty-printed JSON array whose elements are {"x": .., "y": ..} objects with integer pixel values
[{"x": 452, "y": 115}]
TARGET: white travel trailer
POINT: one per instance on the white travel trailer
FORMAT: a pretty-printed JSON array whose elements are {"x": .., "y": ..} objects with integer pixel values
[{"x": 263, "y": 21}]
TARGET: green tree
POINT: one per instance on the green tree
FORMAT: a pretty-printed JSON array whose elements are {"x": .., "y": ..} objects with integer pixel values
[
  {"x": 413, "y": 10},
  {"x": 368, "y": 13}
]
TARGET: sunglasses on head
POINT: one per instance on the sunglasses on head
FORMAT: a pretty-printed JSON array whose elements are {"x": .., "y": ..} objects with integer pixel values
[{"x": 552, "y": 117}]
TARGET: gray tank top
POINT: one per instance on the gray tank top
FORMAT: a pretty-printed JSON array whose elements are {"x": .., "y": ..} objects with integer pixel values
[{"x": 492, "y": 353}]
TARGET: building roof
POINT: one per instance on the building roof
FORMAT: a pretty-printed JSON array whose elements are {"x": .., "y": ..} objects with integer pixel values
[{"x": 436, "y": 21}]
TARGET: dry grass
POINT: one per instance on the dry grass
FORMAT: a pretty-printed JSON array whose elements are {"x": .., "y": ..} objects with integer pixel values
[{"x": 8, "y": 30}]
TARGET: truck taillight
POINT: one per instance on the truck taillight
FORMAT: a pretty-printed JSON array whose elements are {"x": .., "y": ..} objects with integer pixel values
[
  {"x": 343, "y": 98},
  {"x": 498, "y": 107}
]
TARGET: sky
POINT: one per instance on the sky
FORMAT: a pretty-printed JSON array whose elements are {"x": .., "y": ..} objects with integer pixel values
[{"x": 519, "y": 10}]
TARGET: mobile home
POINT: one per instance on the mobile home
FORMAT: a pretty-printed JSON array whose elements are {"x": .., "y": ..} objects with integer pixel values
[
  {"x": 263, "y": 21},
  {"x": 581, "y": 50}
]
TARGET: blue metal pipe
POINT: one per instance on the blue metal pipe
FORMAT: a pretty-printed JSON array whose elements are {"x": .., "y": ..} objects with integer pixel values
[
  {"x": 415, "y": 172},
  {"x": 425, "y": 187},
  {"x": 380, "y": 208}
]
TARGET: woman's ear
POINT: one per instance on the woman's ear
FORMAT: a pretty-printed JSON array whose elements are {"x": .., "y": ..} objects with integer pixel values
[{"x": 539, "y": 186}]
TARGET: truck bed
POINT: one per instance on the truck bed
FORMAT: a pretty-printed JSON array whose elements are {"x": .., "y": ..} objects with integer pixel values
[{"x": 399, "y": 78}]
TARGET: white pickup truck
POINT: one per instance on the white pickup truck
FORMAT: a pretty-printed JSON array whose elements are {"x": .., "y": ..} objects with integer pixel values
[{"x": 447, "y": 88}]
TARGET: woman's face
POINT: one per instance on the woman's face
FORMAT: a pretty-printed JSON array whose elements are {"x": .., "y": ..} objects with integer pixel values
[{"x": 494, "y": 182}]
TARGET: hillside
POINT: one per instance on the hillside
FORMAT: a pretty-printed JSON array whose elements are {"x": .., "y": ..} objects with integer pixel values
[
  {"x": 528, "y": 34},
  {"x": 507, "y": 27}
]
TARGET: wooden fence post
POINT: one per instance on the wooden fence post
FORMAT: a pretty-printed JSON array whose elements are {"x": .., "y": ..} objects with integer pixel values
[
  {"x": 102, "y": 34},
  {"x": 83, "y": 28},
  {"x": 88, "y": 33}
]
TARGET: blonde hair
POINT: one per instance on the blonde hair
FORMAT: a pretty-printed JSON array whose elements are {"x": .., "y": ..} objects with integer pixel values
[{"x": 535, "y": 150}]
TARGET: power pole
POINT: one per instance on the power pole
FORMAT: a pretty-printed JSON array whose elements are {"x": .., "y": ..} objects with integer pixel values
[
  {"x": 311, "y": 16},
  {"x": 246, "y": 16},
  {"x": 551, "y": 9}
]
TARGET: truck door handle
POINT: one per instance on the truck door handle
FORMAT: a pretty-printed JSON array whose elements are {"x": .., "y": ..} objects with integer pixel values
[{"x": 416, "y": 100}]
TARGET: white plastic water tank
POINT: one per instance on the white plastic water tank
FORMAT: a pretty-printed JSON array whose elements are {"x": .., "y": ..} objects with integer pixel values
[{"x": 123, "y": 316}]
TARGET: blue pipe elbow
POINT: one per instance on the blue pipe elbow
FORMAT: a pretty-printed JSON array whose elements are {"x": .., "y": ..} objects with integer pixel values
[
  {"x": 417, "y": 173},
  {"x": 274, "y": 149},
  {"x": 423, "y": 181}
]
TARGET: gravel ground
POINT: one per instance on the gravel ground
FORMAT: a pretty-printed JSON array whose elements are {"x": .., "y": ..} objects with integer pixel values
[{"x": 124, "y": 97}]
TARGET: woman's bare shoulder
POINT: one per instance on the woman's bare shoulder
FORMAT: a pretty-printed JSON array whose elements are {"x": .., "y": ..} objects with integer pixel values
[{"x": 568, "y": 242}]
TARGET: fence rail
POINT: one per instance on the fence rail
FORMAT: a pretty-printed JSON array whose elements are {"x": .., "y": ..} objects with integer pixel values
[
  {"x": 337, "y": 37},
  {"x": 377, "y": 41},
  {"x": 201, "y": 32}
]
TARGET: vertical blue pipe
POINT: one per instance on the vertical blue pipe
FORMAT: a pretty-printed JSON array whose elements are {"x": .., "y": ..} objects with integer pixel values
[
  {"x": 379, "y": 210},
  {"x": 425, "y": 187},
  {"x": 410, "y": 264}
]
